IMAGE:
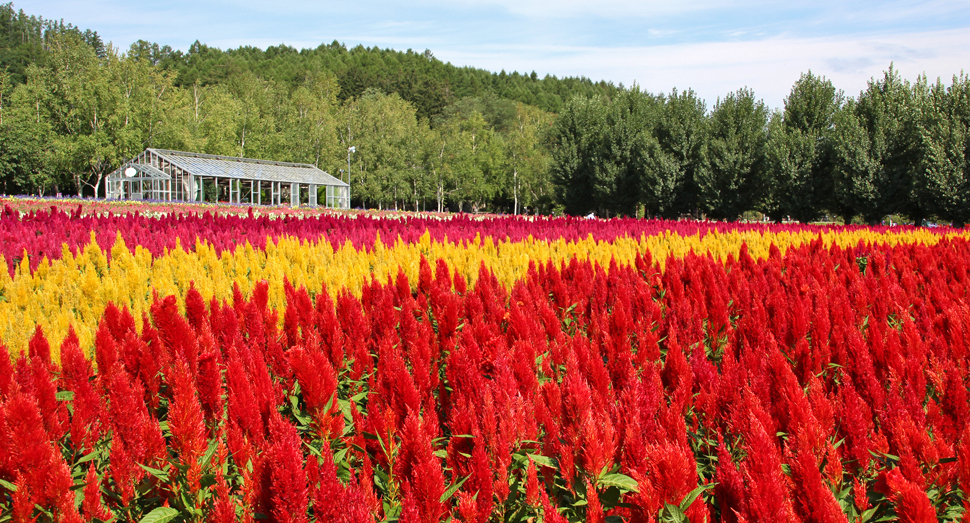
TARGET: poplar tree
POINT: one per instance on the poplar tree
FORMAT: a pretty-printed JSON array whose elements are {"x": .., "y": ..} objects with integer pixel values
[{"x": 734, "y": 180}]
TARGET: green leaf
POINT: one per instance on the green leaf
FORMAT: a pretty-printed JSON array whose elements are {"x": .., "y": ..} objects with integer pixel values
[
  {"x": 65, "y": 395},
  {"x": 452, "y": 489},
  {"x": 610, "y": 497},
  {"x": 160, "y": 515},
  {"x": 155, "y": 472},
  {"x": 620, "y": 481},
  {"x": 87, "y": 457},
  {"x": 692, "y": 495},
  {"x": 313, "y": 450},
  {"x": 211, "y": 451},
  {"x": 545, "y": 461},
  {"x": 673, "y": 514},
  {"x": 340, "y": 455},
  {"x": 8, "y": 485},
  {"x": 867, "y": 515}
]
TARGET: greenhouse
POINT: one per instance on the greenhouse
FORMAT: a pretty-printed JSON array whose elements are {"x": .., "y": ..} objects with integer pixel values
[{"x": 163, "y": 175}]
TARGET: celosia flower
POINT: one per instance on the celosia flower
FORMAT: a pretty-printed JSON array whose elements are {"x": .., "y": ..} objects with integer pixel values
[
  {"x": 288, "y": 482},
  {"x": 93, "y": 506}
]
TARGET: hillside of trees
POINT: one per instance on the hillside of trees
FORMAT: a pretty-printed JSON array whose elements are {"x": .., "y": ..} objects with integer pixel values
[{"x": 432, "y": 136}]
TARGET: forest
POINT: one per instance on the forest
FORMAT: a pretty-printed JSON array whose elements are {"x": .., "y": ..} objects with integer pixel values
[{"x": 428, "y": 135}]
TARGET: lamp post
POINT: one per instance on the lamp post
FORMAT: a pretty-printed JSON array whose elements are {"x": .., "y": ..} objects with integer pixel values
[{"x": 350, "y": 150}]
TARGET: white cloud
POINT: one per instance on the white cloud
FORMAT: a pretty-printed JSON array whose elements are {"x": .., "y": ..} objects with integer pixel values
[
  {"x": 769, "y": 66},
  {"x": 571, "y": 8}
]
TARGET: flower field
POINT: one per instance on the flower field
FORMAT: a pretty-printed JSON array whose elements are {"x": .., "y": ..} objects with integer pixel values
[{"x": 218, "y": 364}]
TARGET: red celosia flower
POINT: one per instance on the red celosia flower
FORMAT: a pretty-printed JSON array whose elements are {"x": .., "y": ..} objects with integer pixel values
[
  {"x": 467, "y": 507},
  {"x": 912, "y": 505},
  {"x": 195, "y": 309},
  {"x": 23, "y": 502},
  {"x": 288, "y": 482},
  {"x": 6, "y": 371},
  {"x": 130, "y": 419},
  {"x": 549, "y": 512},
  {"x": 669, "y": 475},
  {"x": 223, "y": 507},
  {"x": 859, "y": 495},
  {"x": 531, "y": 485},
  {"x": 594, "y": 509},
  {"x": 210, "y": 384},
  {"x": 105, "y": 349},
  {"x": 332, "y": 500},
  {"x": 76, "y": 374},
  {"x": 813, "y": 497},
  {"x": 92, "y": 506},
  {"x": 28, "y": 452},
  {"x": 418, "y": 467},
  {"x": 44, "y": 390},
  {"x": 729, "y": 490},
  {"x": 187, "y": 424},
  {"x": 768, "y": 495},
  {"x": 409, "y": 509},
  {"x": 124, "y": 472},
  {"x": 39, "y": 348},
  {"x": 59, "y": 485},
  {"x": 318, "y": 383},
  {"x": 175, "y": 332}
]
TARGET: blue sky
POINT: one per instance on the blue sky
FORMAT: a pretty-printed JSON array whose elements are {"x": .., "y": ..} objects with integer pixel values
[{"x": 711, "y": 46}]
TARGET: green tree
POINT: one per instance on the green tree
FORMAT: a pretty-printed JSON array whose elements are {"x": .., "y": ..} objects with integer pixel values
[
  {"x": 734, "y": 183},
  {"x": 384, "y": 131},
  {"x": 91, "y": 122},
  {"x": 149, "y": 96},
  {"x": 630, "y": 119},
  {"x": 798, "y": 151},
  {"x": 202, "y": 119},
  {"x": 311, "y": 129},
  {"x": 876, "y": 151},
  {"x": 675, "y": 156},
  {"x": 526, "y": 159},
  {"x": 438, "y": 150},
  {"x": 255, "y": 132},
  {"x": 26, "y": 139},
  {"x": 790, "y": 155},
  {"x": 476, "y": 159},
  {"x": 942, "y": 179},
  {"x": 416, "y": 177},
  {"x": 577, "y": 149}
]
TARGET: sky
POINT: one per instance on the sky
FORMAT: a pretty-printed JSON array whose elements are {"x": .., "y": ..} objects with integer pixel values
[{"x": 711, "y": 46}]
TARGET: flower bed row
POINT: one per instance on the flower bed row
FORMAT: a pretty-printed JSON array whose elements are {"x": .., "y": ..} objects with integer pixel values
[
  {"x": 66, "y": 265},
  {"x": 32, "y": 232}
]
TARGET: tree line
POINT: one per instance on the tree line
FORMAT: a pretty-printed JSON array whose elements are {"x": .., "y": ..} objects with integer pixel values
[{"x": 899, "y": 148}]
